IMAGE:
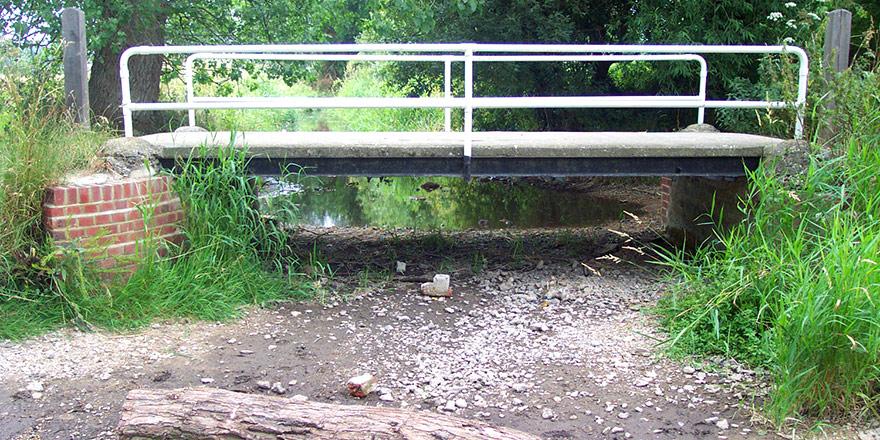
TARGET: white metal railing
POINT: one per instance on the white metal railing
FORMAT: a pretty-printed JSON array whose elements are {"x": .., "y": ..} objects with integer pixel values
[{"x": 468, "y": 54}]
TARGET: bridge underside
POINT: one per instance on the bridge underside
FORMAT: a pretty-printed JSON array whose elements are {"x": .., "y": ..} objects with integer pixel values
[{"x": 494, "y": 153}]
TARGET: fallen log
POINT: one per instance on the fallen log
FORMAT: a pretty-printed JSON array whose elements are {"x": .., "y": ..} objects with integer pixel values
[{"x": 208, "y": 413}]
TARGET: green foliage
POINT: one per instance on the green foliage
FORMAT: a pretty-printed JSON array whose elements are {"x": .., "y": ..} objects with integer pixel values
[
  {"x": 232, "y": 257},
  {"x": 367, "y": 80},
  {"x": 796, "y": 287},
  {"x": 38, "y": 145}
]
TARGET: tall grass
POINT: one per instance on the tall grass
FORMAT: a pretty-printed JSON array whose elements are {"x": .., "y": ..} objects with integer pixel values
[
  {"x": 39, "y": 144},
  {"x": 796, "y": 288},
  {"x": 232, "y": 256}
]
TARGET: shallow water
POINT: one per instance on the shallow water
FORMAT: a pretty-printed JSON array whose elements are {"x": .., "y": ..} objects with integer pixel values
[{"x": 445, "y": 203}]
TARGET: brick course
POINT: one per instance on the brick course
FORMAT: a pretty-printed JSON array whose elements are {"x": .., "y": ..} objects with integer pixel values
[{"x": 108, "y": 218}]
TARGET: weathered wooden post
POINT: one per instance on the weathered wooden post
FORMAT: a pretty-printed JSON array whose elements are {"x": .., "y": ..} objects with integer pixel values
[
  {"x": 76, "y": 79},
  {"x": 835, "y": 60},
  {"x": 837, "y": 39}
]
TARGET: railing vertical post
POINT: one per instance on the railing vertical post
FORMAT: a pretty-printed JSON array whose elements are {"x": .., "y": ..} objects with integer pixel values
[
  {"x": 468, "y": 109},
  {"x": 836, "y": 59},
  {"x": 190, "y": 91},
  {"x": 126, "y": 94},
  {"x": 704, "y": 78},
  {"x": 447, "y": 92},
  {"x": 75, "y": 58}
]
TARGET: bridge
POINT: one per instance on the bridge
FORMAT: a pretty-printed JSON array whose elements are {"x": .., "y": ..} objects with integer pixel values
[
  {"x": 468, "y": 152},
  {"x": 706, "y": 166}
]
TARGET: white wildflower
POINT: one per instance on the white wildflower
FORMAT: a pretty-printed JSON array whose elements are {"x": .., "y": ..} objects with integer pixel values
[
  {"x": 791, "y": 5},
  {"x": 775, "y": 16},
  {"x": 813, "y": 16},
  {"x": 788, "y": 41},
  {"x": 791, "y": 24}
]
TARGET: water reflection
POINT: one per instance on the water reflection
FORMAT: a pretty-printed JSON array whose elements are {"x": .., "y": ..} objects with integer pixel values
[{"x": 447, "y": 203}]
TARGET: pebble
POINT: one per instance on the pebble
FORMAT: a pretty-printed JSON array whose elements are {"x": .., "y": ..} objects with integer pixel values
[
  {"x": 207, "y": 380},
  {"x": 360, "y": 386},
  {"x": 277, "y": 388},
  {"x": 723, "y": 424},
  {"x": 264, "y": 384},
  {"x": 547, "y": 413}
]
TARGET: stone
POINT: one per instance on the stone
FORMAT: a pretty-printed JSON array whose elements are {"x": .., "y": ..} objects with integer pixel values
[
  {"x": 540, "y": 327},
  {"x": 400, "y": 267},
  {"x": 386, "y": 397},
  {"x": 547, "y": 413},
  {"x": 688, "y": 370},
  {"x": 623, "y": 415},
  {"x": 461, "y": 403},
  {"x": 207, "y": 380},
  {"x": 699, "y": 128},
  {"x": 128, "y": 154},
  {"x": 190, "y": 129},
  {"x": 360, "y": 386},
  {"x": 519, "y": 387},
  {"x": 34, "y": 386},
  {"x": 277, "y": 388},
  {"x": 299, "y": 398},
  {"x": 437, "y": 288},
  {"x": 264, "y": 384},
  {"x": 723, "y": 424}
]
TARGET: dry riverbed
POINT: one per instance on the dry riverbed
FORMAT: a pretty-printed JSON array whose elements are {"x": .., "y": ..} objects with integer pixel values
[{"x": 546, "y": 332}]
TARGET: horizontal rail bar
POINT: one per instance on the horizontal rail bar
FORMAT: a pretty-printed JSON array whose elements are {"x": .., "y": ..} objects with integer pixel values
[{"x": 516, "y": 102}]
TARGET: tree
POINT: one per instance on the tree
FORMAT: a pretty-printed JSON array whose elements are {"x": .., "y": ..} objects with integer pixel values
[{"x": 115, "y": 25}]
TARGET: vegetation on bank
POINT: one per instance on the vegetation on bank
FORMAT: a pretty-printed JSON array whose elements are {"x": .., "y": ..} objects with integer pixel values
[
  {"x": 231, "y": 257},
  {"x": 796, "y": 288}
]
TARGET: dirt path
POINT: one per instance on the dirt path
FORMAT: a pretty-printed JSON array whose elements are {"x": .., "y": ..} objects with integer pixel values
[{"x": 531, "y": 339}]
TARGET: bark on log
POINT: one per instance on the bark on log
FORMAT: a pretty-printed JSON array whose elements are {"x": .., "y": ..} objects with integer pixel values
[{"x": 207, "y": 413}]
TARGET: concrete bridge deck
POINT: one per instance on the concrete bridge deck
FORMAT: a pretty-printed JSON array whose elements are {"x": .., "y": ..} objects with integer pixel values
[{"x": 494, "y": 153}]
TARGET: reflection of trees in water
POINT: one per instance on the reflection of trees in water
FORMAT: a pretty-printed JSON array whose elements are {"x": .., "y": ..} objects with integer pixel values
[
  {"x": 330, "y": 202},
  {"x": 401, "y": 202}
]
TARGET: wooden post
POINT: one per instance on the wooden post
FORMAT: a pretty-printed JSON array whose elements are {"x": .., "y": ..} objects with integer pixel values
[
  {"x": 76, "y": 78},
  {"x": 835, "y": 60},
  {"x": 837, "y": 36}
]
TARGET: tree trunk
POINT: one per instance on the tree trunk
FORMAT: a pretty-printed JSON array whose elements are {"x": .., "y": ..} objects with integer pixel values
[
  {"x": 144, "y": 26},
  {"x": 206, "y": 413}
]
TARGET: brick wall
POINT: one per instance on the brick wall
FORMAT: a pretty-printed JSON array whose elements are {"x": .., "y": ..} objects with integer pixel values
[{"x": 106, "y": 218}]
